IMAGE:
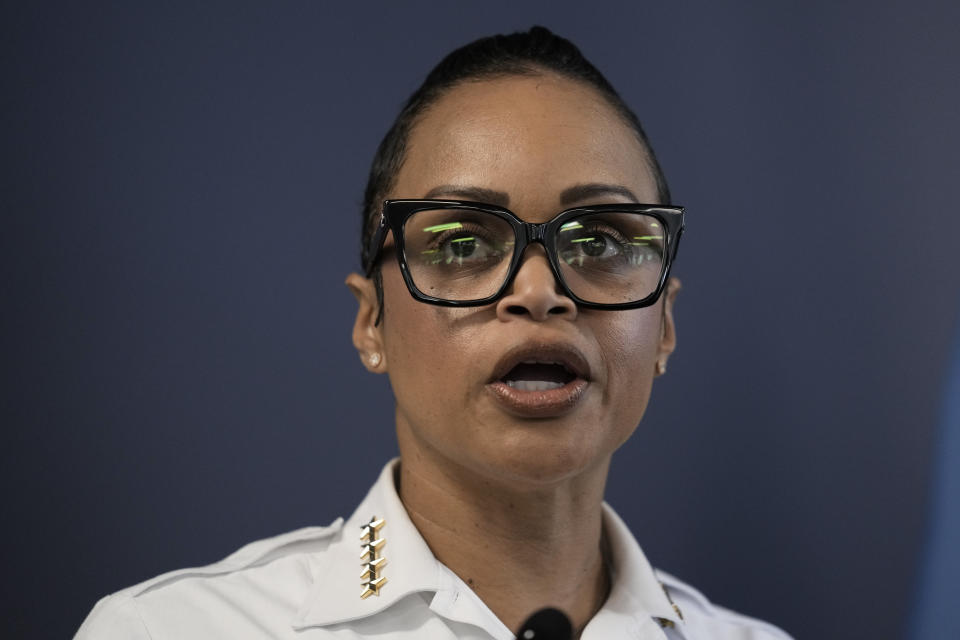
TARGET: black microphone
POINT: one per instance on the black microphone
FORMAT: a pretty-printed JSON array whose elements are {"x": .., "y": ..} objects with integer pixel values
[{"x": 546, "y": 624}]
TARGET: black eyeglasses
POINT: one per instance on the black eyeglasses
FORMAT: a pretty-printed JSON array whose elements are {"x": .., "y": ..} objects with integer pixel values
[{"x": 460, "y": 254}]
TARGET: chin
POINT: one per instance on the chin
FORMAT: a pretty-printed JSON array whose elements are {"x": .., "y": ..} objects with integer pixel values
[
  {"x": 540, "y": 465},
  {"x": 514, "y": 454}
]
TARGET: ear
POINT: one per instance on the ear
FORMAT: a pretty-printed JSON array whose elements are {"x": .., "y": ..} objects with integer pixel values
[
  {"x": 367, "y": 338},
  {"x": 668, "y": 330}
]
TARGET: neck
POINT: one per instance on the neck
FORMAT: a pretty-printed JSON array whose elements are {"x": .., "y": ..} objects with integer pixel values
[{"x": 496, "y": 536}]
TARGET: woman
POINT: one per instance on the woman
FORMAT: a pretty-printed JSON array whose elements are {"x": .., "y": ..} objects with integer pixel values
[{"x": 519, "y": 298}]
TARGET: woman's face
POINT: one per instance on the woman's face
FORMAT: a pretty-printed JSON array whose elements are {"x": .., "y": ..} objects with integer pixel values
[{"x": 529, "y": 140}]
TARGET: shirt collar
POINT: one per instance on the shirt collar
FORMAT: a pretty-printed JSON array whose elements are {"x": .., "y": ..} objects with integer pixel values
[
  {"x": 635, "y": 593},
  {"x": 411, "y": 568}
]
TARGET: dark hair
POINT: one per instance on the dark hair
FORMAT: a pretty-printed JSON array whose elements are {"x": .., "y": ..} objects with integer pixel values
[{"x": 526, "y": 53}]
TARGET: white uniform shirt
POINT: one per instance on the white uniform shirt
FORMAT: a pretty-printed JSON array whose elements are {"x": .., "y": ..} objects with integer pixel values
[{"x": 306, "y": 584}]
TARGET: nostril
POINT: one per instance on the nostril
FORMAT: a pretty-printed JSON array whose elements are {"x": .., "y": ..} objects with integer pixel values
[{"x": 519, "y": 310}]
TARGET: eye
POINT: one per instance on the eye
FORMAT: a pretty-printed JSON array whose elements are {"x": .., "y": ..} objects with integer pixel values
[
  {"x": 594, "y": 242},
  {"x": 464, "y": 246},
  {"x": 614, "y": 241},
  {"x": 595, "y": 245}
]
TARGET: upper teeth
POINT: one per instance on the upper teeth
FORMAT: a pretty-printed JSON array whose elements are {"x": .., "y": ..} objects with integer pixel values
[
  {"x": 544, "y": 362},
  {"x": 533, "y": 385}
]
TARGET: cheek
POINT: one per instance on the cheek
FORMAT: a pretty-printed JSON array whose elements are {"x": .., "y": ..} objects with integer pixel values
[
  {"x": 631, "y": 347},
  {"x": 425, "y": 352},
  {"x": 633, "y": 342}
]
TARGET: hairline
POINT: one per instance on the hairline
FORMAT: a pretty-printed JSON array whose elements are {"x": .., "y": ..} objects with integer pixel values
[
  {"x": 414, "y": 112},
  {"x": 522, "y": 69}
]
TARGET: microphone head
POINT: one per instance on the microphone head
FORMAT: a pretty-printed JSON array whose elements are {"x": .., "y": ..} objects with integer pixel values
[{"x": 546, "y": 624}]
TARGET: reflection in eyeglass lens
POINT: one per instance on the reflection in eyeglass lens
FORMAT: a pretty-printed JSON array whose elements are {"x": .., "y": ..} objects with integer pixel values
[
  {"x": 465, "y": 243},
  {"x": 458, "y": 254},
  {"x": 611, "y": 257},
  {"x": 610, "y": 241}
]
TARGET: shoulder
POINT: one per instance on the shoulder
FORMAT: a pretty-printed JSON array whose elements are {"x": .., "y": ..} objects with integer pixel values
[
  {"x": 275, "y": 571},
  {"x": 703, "y": 619}
]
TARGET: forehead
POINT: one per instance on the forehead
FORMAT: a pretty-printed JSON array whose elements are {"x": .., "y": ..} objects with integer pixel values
[{"x": 531, "y": 137}]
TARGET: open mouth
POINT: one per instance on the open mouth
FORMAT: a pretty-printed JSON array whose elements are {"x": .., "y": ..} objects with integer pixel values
[
  {"x": 540, "y": 379},
  {"x": 538, "y": 376},
  {"x": 546, "y": 365}
]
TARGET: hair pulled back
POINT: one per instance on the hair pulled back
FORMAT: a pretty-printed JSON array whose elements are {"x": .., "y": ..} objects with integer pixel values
[{"x": 526, "y": 53}]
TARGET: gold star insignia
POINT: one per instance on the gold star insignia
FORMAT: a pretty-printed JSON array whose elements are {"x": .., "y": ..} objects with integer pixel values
[
  {"x": 371, "y": 549},
  {"x": 371, "y": 559},
  {"x": 373, "y": 588},
  {"x": 371, "y": 529},
  {"x": 372, "y": 568},
  {"x": 670, "y": 600}
]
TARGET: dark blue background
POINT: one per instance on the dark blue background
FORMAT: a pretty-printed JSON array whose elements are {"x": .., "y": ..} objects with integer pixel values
[{"x": 180, "y": 198}]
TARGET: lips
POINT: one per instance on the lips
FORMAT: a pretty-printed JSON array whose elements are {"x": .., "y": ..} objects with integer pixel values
[
  {"x": 540, "y": 380},
  {"x": 553, "y": 353}
]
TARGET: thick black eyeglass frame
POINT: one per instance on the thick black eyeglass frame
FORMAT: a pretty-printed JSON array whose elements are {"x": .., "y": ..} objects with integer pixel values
[{"x": 395, "y": 213}]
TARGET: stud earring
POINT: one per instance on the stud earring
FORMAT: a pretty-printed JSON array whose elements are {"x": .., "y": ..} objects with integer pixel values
[
  {"x": 374, "y": 359},
  {"x": 661, "y": 368}
]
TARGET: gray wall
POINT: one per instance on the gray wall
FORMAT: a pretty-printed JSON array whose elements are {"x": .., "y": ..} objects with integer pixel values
[{"x": 179, "y": 210}]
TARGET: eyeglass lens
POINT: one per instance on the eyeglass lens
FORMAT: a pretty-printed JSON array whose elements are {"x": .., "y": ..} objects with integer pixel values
[{"x": 607, "y": 258}]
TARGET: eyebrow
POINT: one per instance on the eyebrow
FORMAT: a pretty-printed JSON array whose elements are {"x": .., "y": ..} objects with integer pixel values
[
  {"x": 580, "y": 192},
  {"x": 477, "y": 194},
  {"x": 570, "y": 195}
]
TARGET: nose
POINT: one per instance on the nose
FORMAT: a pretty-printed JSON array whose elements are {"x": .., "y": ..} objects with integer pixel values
[{"x": 535, "y": 291}]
